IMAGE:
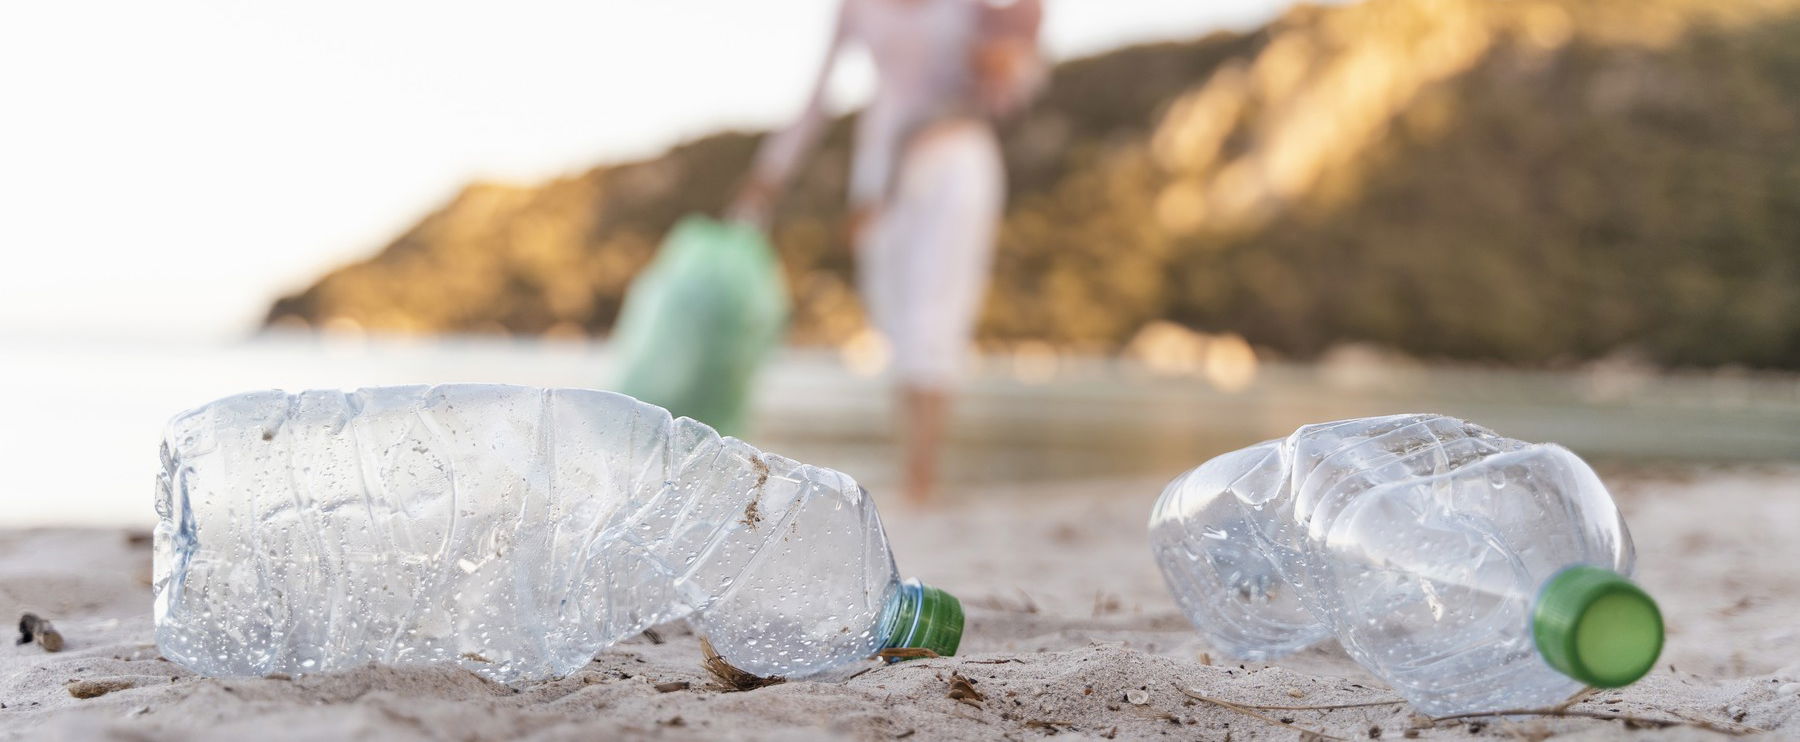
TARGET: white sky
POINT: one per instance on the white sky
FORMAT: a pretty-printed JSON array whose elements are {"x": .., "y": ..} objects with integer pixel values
[{"x": 168, "y": 167}]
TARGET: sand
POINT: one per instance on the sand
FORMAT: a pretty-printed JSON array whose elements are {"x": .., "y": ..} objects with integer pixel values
[{"x": 1070, "y": 634}]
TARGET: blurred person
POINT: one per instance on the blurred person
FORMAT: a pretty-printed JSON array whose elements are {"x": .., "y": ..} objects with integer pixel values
[{"x": 927, "y": 184}]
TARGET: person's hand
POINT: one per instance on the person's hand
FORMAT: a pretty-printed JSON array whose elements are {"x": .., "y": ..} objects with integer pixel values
[
  {"x": 754, "y": 203},
  {"x": 1005, "y": 75},
  {"x": 856, "y": 223}
]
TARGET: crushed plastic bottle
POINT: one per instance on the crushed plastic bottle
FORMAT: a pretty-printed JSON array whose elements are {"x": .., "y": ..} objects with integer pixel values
[
  {"x": 1469, "y": 571},
  {"x": 514, "y": 531}
]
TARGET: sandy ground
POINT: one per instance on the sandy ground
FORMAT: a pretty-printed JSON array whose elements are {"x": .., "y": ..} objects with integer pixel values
[{"x": 1070, "y": 633}]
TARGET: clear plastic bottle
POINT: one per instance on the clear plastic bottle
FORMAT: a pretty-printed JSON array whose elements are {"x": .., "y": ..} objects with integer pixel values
[
  {"x": 1471, "y": 572},
  {"x": 516, "y": 531}
]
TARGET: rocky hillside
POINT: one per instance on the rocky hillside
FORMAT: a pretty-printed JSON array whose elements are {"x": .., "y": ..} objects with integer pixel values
[{"x": 1524, "y": 181}]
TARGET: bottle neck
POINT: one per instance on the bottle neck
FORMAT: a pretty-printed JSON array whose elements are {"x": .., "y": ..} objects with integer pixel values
[
  {"x": 1595, "y": 626},
  {"x": 903, "y": 615},
  {"x": 920, "y": 617}
]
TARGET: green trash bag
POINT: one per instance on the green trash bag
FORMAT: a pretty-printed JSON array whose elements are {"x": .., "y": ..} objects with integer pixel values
[{"x": 700, "y": 320}]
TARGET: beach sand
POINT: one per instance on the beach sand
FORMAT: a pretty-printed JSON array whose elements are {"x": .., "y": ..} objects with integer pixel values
[{"x": 1070, "y": 633}]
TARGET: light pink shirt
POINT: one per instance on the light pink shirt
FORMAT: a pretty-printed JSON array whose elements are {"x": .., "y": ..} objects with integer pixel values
[{"x": 921, "y": 50}]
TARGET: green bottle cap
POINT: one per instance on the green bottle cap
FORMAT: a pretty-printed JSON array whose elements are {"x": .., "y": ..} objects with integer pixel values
[
  {"x": 928, "y": 618},
  {"x": 1593, "y": 625}
]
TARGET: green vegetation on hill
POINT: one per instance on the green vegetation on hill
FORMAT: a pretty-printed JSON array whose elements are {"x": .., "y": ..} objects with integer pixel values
[{"x": 1523, "y": 181}]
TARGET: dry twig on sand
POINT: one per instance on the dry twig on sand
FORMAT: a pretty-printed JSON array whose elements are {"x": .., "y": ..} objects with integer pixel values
[
  {"x": 1305, "y": 734},
  {"x": 907, "y": 653},
  {"x": 1321, "y": 707},
  {"x": 729, "y": 676},
  {"x": 1734, "y": 729},
  {"x": 1585, "y": 694}
]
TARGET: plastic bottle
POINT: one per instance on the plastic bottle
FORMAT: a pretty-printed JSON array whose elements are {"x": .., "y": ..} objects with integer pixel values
[
  {"x": 1470, "y": 572},
  {"x": 515, "y": 531}
]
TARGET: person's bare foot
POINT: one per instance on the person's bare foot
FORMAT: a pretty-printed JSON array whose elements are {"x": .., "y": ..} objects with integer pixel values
[
  {"x": 919, "y": 495},
  {"x": 924, "y": 414},
  {"x": 899, "y": 506}
]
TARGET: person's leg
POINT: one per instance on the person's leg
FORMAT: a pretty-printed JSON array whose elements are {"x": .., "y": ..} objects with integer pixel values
[
  {"x": 925, "y": 413},
  {"x": 937, "y": 237}
]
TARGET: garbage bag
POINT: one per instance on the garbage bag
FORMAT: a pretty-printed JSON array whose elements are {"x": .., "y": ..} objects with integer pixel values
[{"x": 700, "y": 320}]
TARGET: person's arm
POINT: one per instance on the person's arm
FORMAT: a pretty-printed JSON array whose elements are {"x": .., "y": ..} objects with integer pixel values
[
  {"x": 781, "y": 152},
  {"x": 879, "y": 134}
]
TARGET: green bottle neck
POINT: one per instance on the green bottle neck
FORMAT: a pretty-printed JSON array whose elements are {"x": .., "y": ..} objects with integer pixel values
[
  {"x": 1592, "y": 624},
  {"x": 921, "y": 617}
]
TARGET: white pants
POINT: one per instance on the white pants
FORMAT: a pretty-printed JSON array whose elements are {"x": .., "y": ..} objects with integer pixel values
[{"x": 923, "y": 262}]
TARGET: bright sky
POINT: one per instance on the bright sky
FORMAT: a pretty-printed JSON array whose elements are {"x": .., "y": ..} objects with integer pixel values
[{"x": 169, "y": 167}]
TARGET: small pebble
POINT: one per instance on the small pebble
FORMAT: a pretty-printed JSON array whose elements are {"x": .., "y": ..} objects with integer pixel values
[
  {"x": 1788, "y": 689},
  {"x": 96, "y": 688},
  {"x": 33, "y": 628},
  {"x": 1137, "y": 697}
]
